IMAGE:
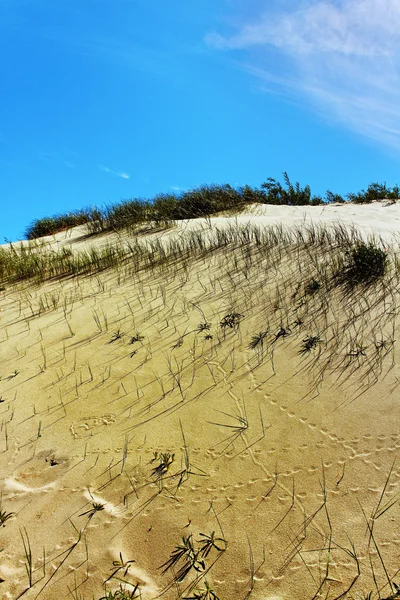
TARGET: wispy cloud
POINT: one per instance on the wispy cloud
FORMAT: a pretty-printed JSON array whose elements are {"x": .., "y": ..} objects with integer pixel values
[
  {"x": 121, "y": 174},
  {"x": 55, "y": 159},
  {"x": 341, "y": 55}
]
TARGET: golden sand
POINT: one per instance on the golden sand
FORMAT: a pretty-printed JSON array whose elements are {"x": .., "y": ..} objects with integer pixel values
[{"x": 132, "y": 420}]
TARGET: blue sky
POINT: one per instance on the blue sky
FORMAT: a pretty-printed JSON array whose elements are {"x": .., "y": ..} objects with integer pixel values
[{"x": 103, "y": 100}]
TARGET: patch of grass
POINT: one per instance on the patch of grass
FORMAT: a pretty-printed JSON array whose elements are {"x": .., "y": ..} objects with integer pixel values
[
  {"x": 117, "y": 335},
  {"x": 204, "y": 593},
  {"x": 367, "y": 263},
  {"x": 258, "y": 340},
  {"x": 136, "y": 338},
  {"x": 165, "y": 461},
  {"x": 231, "y": 320},
  {"x": 183, "y": 559},
  {"x": 122, "y": 594},
  {"x": 51, "y": 225},
  {"x": 309, "y": 343},
  {"x": 208, "y": 542}
]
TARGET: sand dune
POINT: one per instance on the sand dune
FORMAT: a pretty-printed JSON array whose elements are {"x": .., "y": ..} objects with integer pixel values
[{"x": 141, "y": 420}]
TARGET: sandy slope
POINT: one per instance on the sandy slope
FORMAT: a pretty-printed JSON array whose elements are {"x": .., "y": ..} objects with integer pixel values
[
  {"x": 285, "y": 456},
  {"x": 380, "y": 219}
]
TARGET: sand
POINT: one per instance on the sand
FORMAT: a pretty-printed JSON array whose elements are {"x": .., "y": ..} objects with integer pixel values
[{"x": 132, "y": 420}]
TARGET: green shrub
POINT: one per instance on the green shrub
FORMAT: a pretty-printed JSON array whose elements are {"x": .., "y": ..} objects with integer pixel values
[
  {"x": 367, "y": 263},
  {"x": 252, "y": 195},
  {"x": 293, "y": 194},
  {"x": 375, "y": 191},
  {"x": 316, "y": 201},
  {"x": 330, "y": 197}
]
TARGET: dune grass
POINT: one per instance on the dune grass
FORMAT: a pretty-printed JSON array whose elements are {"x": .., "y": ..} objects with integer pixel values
[
  {"x": 202, "y": 201},
  {"x": 36, "y": 260}
]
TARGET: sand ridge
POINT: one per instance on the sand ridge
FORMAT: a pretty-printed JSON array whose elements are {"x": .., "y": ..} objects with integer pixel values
[{"x": 134, "y": 422}]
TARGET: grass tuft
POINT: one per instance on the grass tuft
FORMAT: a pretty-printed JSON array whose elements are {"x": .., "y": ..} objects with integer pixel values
[{"x": 367, "y": 263}]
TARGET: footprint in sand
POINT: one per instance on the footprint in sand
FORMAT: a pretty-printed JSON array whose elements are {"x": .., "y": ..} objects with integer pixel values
[{"x": 85, "y": 426}]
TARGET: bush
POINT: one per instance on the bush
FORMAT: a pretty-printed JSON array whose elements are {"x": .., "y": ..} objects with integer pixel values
[
  {"x": 330, "y": 197},
  {"x": 316, "y": 201},
  {"x": 375, "y": 191},
  {"x": 293, "y": 194},
  {"x": 367, "y": 263},
  {"x": 252, "y": 195}
]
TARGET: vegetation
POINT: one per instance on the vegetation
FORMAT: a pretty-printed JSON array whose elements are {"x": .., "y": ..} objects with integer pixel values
[
  {"x": 367, "y": 263},
  {"x": 292, "y": 194},
  {"x": 50, "y": 225},
  {"x": 122, "y": 594},
  {"x": 5, "y": 516},
  {"x": 375, "y": 191},
  {"x": 202, "y": 201},
  {"x": 35, "y": 260}
]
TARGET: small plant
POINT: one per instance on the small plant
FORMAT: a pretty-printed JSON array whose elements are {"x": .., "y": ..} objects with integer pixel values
[
  {"x": 367, "y": 263},
  {"x": 136, "y": 338},
  {"x": 283, "y": 332},
  {"x": 231, "y": 320},
  {"x": 309, "y": 343},
  {"x": 122, "y": 594},
  {"x": 165, "y": 462},
  {"x": 382, "y": 345},
  {"x": 121, "y": 565},
  {"x": 5, "y": 516},
  {"x": 96, "y": 507},
  {"x": 203, "y": 327},
  {"x": 258, "y": 340},
  {"x": 205, "y": 593},
  {"x": 208, "y": 336},
  {"x": 117, "y": 335},
  {"x": 177, "y": 344},
  {"x": 208, "y": 542},
  {"x": 186, "y": 557},
  {"x": 357, "y": 350},
  {"x": 28, "y": 555}
]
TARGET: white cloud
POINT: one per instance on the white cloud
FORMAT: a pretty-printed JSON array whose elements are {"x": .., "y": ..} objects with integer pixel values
[
  {"x": 121, "y": 174},
  {"x": 344, "y": 56}
]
